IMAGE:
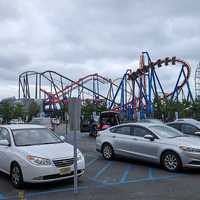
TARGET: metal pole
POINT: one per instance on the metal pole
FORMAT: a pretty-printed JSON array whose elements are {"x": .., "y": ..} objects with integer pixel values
[
  {"x": 66, "y": 119},
  {"x": 75, "y": 163}
]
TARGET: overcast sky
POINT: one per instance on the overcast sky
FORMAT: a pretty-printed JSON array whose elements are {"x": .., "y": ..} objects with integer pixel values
[{"x": 79, "y": 37}]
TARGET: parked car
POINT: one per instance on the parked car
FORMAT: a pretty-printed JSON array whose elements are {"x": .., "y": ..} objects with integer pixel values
[
  {"x": 33, "y": 153},
  {"x": 154, "y": 121},
  {"x": 187, "y": 126},
  {"x": 157, "y": 143}
]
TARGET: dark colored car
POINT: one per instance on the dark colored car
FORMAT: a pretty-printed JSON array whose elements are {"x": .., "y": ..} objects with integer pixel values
[{"x": 187, "y": 126}]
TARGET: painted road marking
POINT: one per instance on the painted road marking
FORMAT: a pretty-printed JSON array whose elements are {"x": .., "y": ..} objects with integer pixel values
[
  {"x": 91, "y": 162},
  {"x": 125, "y": 174},
  {"x": 2, "y": 196},
  {"x": 123, "y": 179},
  {"x": 101, "y": 171}
]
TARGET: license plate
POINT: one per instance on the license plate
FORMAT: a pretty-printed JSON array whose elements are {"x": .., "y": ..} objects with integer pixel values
[{"x": 65, "y": 170}]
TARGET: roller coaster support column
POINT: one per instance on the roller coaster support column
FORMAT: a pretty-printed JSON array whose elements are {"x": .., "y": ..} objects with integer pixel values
[
  {"x": 176, "y": 86},
  {"x": 189, "y": 96},
  {"x": 150, "y": 78}
]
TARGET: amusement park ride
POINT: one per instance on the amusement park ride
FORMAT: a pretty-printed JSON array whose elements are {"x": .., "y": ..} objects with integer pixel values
[{"x": 135, "y": 94}]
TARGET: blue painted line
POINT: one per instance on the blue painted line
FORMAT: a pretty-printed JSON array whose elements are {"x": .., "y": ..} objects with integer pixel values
[
  {"x": 2, "y": 196},
  {"x": 101, "y": 171},
  {"x": 91, "y": 162},
  {"x": 150, "y": 173},
  {"x": 125, "y": 174},
  {"x": 34, "y": 194},
  {"x": 31, "y": 194},
  {"x": 150, "y": 179},
  {"x": 101, "y": 185},
  {"x": 136, "y": 180}
]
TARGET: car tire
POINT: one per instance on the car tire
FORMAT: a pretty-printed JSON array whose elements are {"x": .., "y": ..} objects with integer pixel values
[
  {"x": 108, "y": 152},
  {"x": 16, "y": 176},
  {"x": 171, "y": 161}
]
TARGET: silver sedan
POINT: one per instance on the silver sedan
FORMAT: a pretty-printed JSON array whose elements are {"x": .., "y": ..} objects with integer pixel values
[{"x": 151, "y": 142}]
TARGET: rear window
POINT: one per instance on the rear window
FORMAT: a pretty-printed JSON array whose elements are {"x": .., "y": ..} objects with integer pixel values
[{"x": 124, "y": 130}]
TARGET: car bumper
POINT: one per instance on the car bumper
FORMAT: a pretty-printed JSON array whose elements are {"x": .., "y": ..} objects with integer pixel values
[
  {"x": 38, "y": 174},
  {"x": 190, "y": 159}
]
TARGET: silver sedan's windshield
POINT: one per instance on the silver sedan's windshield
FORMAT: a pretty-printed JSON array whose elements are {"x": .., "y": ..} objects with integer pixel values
[
  {"x": 165, "y": 131},
  {"x": 37, "y": 136}
]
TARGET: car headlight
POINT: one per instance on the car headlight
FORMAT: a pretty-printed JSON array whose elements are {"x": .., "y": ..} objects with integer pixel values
[
  {"x": 38, "y": 161},
  {"x": 189, "y": 149},
  {"x": 79, "y": 155}
]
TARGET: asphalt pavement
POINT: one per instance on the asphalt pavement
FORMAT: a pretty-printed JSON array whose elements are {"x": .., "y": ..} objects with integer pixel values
[{"x": 112, "y": 180}]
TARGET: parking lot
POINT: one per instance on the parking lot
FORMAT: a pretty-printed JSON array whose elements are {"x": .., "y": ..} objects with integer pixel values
[{"x": 121, "y": 178}]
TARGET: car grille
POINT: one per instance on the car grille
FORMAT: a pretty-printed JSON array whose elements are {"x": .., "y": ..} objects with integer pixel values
[
  {"x": 54, "y": 176},
  {"x": 63, "y": 162}
]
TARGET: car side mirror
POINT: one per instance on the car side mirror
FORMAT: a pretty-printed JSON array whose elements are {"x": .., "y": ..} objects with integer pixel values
[
  {"x": 4, "y": 143},
  {"x": 62, "y": 138},
  {"x": 149, "y": 137}
]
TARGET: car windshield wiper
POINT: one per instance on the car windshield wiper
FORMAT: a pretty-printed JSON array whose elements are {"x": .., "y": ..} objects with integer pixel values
[
  {"x": 179, "y": 136},
  {"x": 49, "y": 143}
]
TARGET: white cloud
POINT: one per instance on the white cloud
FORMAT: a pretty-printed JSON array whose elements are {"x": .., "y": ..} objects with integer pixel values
[{"x": 79, "y": 37}]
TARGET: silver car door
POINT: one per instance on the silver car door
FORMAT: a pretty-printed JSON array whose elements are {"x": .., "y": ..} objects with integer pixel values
[
  {"x": 121, "y": 139},
  {"x": 144, "y": 148},
  {"x": 4, "y": 150}
]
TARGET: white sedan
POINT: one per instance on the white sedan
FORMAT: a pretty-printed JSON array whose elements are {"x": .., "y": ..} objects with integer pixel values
[{"x": 32, "y": 153}]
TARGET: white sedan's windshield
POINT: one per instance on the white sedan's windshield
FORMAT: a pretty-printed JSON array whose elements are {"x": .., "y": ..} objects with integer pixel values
[
  {"x": 37, "y": 136},
  {"x": 165, "y": 131}
]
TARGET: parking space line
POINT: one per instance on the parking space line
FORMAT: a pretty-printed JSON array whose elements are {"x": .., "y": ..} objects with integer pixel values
[
  {"x": 35, "y": 194},
  {"x": 150, "y": 173},
  {"x": 91, "y": 162},
  {"x": 2, "y": 196},
  {"x": 125, "y": 174},
  {"x": 101, "y": 171}
]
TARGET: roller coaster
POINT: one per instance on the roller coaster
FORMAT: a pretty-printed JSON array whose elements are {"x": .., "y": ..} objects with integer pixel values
[{"x": 136, "y": 93}]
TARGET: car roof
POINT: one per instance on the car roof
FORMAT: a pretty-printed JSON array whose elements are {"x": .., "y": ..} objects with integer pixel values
[
  {"x": 144, "y": 124},
  {"x": 21, "y": 126},
  {"x": 191, "y": 121}
]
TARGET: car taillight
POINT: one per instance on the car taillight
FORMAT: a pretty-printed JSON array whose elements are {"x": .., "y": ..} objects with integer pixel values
[{"x": 98, "y": 127}]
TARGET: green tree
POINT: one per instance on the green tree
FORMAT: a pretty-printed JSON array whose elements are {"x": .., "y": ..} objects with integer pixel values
[
  {"x": 18, "y": 111},
  {"x": 33, "y": 110},
  {"x": 6, "y": 110},
  {"x": 89, "y": 107}
]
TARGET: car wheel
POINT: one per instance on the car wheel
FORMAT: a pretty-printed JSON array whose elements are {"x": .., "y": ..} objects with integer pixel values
[
  {"x": 171, "y": 161},
  {"x": 107, "y": 152},
  {"x": 16, "y": 176}
]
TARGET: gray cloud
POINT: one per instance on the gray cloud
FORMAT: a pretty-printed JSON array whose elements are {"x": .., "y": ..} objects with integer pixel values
[{"x": 81, "y": 37}]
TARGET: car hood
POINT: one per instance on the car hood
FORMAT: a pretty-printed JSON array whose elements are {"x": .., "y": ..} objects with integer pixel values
[
  {"x": 50, "y": 151},
  {"x": 190, "y": 141}
]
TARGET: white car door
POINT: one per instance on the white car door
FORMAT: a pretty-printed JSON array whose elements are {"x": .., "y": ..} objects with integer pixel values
[{"x": 5, "y": 151}]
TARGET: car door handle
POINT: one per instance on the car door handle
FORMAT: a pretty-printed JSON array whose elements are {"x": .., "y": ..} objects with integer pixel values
[
  {"x": 134, "y": 138},
  {"x": 113, "y": 136}
]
